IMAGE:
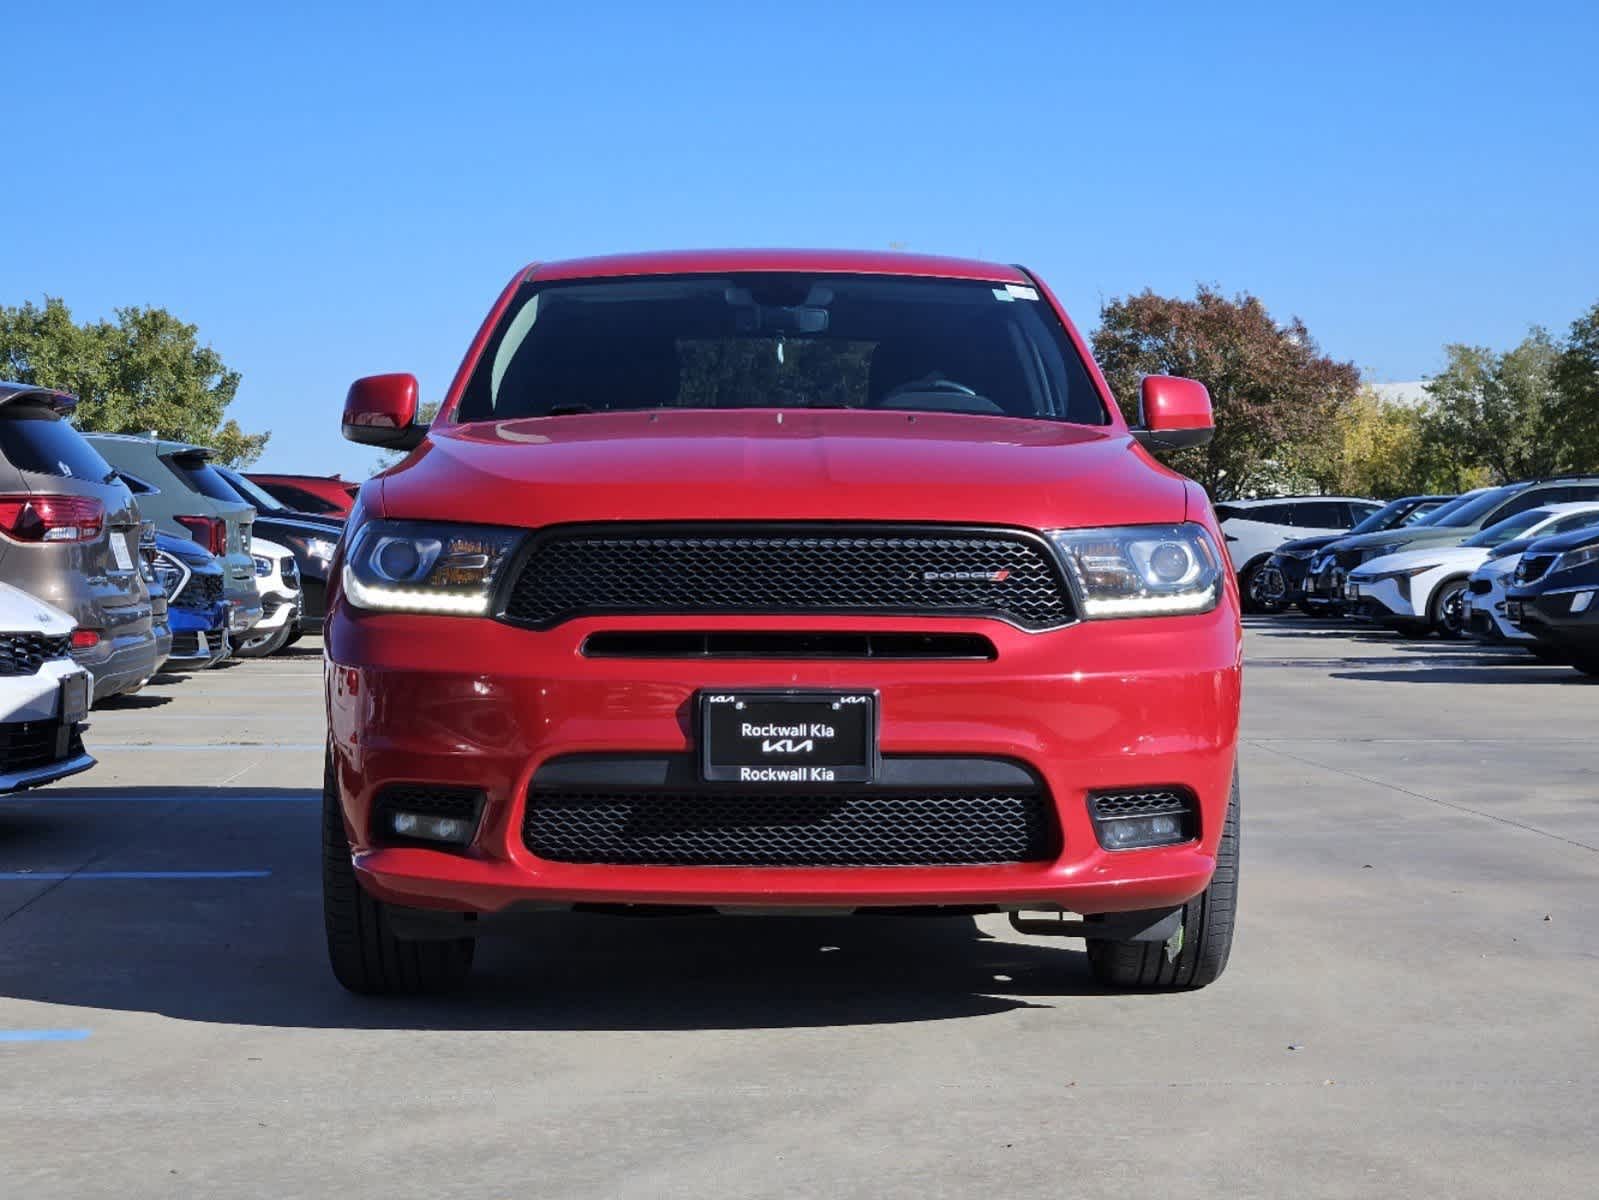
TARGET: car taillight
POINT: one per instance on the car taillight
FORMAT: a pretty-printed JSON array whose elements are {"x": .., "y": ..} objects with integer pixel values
[
  {"x": 85, "y": 639},
  {"x": 51, "y": 518},
  {"x": 210, "y": 532},
  {"x": 147, "y": 543}
]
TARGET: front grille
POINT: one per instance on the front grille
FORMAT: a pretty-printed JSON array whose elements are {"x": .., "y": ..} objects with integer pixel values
[
  {"x": 200, "y": 593},
  {"x": 25, "y": 653},
  {"x": 703, "y": 828},
  {"x": 1533, "y": 566},
  {"x": 25, "y": 744},
  {"x": 1481, "y": 587},
  {"x": 919, "y": 571}
]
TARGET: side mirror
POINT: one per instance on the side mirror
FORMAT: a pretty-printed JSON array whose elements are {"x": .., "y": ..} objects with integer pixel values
[
  {"x": 1173, "y": 413},
  {"x": 381, "y": 411}
]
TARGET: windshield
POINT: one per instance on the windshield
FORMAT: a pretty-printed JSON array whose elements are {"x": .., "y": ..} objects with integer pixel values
[
  {"x": 249, "y": 491},
  {"x": 1470, "y": 509},
  {"x": 784, "y": 340},
  {"x": 1394, "y": 513},
  {"x": 1510, "y": 527}
]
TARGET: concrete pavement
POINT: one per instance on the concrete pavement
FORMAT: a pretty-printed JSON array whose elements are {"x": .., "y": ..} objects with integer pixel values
[{"x": 1410, "y": 1010}]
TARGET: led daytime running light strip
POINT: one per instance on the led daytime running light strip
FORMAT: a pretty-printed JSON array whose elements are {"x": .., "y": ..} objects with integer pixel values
[
  {"x": 1143, "y": 606},
  {"x": 395, "y": 599}
]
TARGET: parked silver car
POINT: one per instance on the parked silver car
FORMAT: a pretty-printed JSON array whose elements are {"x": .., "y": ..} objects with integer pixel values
[
  {"x": 69, "y": 534},
  {"x": 177, "y": 489}
]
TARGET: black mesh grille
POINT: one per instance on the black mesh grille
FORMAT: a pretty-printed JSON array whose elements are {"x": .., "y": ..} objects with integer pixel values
[
  {"x": 25, "y": 744},
  {"x": 200, "y": 593},
  {"x": 1533, "y": 566},
  {"x": 1140, "y": 804},
  {"x": 775, "y": 829},
  {"x": 25, "y": 653},
  {"x": 791, "y": 569}
]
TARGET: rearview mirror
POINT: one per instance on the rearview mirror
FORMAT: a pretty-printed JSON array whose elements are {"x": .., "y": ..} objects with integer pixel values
[
  {"x": 381, "y": 411},
  {"x": 1173, "y": 413}
]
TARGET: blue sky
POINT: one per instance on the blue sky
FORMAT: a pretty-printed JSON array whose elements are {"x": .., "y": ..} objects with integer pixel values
[{"x": 331, "y": 194}]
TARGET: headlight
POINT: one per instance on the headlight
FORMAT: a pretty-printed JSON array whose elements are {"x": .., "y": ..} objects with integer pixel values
[
  {"x": 320, "y": 548},
  {"x": 1296, "y": 555},
  {"x": 263, "y": 566},
  {"x": 1141, "y": 570},
  {"x": 1572, "y": 559},
  {"x": 412, "y": 566},
  {"x": 1381, "y": 551}
]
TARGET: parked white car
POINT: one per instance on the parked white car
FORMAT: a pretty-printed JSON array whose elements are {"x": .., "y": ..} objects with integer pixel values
[
  {"x": 1421, "y": 592},
  {"x": 1255, "y": 528},
  {"x": 277, "y": 580},
  {"x": 44, "y": 694},
  {"x": 1485, "y": 602}
]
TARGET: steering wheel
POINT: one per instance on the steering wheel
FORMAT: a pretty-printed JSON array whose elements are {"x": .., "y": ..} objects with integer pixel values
[{"x": 931, "y": 382}]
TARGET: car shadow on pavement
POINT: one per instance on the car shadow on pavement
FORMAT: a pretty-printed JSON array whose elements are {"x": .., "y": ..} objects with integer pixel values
[
  {"x": 250, "y": 950},
  {"x": 131, "y": 702}
]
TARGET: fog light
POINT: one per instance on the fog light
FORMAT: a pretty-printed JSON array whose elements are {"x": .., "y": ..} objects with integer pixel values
[
  {"x": 1132, "y": 832},
  {"x": 431, "y": 829},
  {"x": 1581, "y": 601},
  {"x": 1134, "y": 820}
]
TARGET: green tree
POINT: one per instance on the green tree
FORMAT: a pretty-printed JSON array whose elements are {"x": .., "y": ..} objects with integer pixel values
[
  {"x": 1577, "y": 383},
  {"x": 1502, "y": 411},
  {"x": 143, "y": 372},
  {"x": 1278, "y": 400}
]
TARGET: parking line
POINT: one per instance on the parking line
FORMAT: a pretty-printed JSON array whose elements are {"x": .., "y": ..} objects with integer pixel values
[
  {"x": 44, "y": 1035},
  {"x": 97, "y": 747},
  {"x": 56, "y": 876}
]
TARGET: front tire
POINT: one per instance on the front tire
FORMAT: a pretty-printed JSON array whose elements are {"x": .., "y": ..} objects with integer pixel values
[
  {"x": 365, "y": 955},
  {"x": 1447, "y": 613},
  {"x": 1205, "y": 939}
]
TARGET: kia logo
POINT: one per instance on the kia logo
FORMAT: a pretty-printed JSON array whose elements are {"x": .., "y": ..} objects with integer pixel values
[{"x": 787, "y": 746}]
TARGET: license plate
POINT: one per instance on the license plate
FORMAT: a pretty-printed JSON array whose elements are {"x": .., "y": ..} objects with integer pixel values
[
  {"x": 75, "y": 698},
  {"x": 788, "y": 738},
  {"x": 119, "y": 551},
  {"x": 1513, "y": 611}
]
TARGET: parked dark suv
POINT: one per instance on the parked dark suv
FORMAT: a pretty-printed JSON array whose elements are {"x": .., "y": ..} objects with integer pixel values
[
  {"x": 1554, "y": 595},
  {"x": 69, "y": 534}
]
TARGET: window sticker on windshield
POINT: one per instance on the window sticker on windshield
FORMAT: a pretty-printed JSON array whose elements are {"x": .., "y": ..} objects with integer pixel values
[{"x": 1015, "y": 291}]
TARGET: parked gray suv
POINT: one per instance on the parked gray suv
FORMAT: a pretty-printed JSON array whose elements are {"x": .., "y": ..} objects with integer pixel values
[
  {"x": 69, "y": 534},
  {"x": 177, "y": 489}
]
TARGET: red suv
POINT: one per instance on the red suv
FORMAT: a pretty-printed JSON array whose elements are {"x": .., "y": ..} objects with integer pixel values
[{"x": 780, "y": 581}]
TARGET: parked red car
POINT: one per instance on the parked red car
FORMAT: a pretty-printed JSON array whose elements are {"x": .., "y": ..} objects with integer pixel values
[
  {"x": 320, "y": 495},
  {"x": 780, "y": 581}
]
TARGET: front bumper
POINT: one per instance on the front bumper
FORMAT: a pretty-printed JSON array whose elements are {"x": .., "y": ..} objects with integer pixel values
[
  {"x": 1567, "y": 617},
  {"x": 475, "y": 703},
  {"x": 35, "y": 746},
  {"x": 199, "y": 639},
  {"x": 1382, "y": 599}
]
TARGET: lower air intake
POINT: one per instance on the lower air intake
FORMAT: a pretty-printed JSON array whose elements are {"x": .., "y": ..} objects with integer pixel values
[{"x": 773, "y": 829}]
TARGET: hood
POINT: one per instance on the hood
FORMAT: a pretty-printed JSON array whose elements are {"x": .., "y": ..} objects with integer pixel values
[
  {"x": 1497, "y": 566},
  {"x": 1465, "y": 557},
  {"x": 1305, "y": 547},
  {"x": 22, "y": 613},
  {"x": 186, "y": 550},
  {"x": 264, "y": 549},
  {"x": 1577, "y": 539},
  {"x": 781, "y": 465},
  {"x": 1427, "y": 535}
]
